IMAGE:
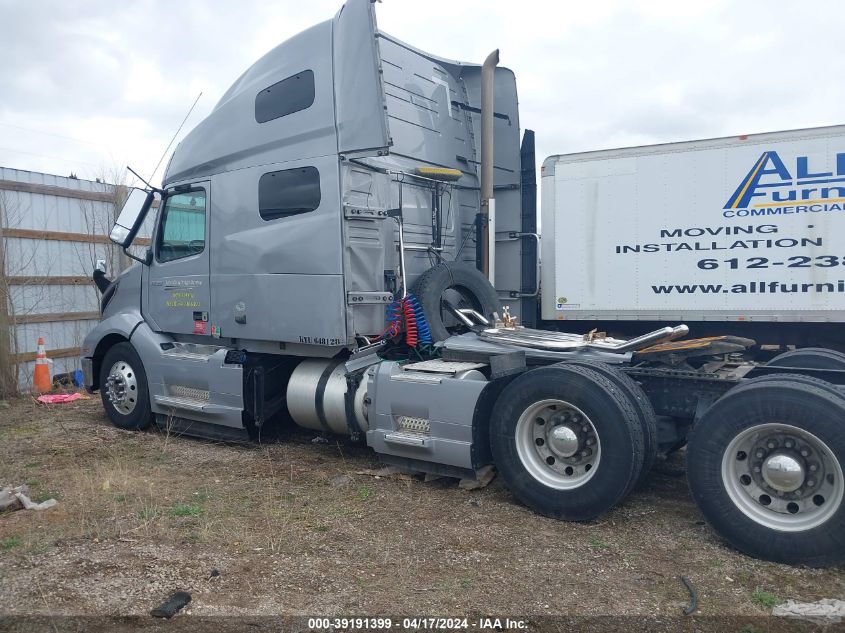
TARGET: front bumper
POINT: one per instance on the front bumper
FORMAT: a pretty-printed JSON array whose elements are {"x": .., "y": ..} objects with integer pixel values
[{"x": 88, "y": 374}]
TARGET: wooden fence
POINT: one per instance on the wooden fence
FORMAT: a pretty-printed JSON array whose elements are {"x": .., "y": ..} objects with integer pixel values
[{"x": 53, "y": 229}]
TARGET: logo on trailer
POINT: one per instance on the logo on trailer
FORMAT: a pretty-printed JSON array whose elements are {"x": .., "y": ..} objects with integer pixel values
[
  {"x": 771, "y": 188},
  {"x": 563, "y": 304}
]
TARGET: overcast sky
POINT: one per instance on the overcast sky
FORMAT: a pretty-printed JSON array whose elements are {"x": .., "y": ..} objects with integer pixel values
[{"x": 90, "y": 85}]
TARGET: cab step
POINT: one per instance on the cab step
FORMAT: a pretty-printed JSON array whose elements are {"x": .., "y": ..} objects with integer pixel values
[
  {"x": 196, "y": 382},
  {"x": 191, "y": 351},
  {"x": 180, "y": 402}
]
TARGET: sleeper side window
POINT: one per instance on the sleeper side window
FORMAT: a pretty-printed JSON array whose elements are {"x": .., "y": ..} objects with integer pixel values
[
  {"x": 182, "y": 231},
  {"x": 285, "y": 97},
  {"x": 288, "y": 192}
]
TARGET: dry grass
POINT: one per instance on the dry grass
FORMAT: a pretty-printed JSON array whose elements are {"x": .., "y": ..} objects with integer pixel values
[{"x": 295, "y": 528}]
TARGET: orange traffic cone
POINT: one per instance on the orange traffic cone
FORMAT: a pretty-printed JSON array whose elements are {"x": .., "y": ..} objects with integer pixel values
[{"x": 41, "y": 378}]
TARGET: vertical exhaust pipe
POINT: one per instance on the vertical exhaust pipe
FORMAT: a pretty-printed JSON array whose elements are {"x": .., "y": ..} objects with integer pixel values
[{"x": 488, "y": 204}]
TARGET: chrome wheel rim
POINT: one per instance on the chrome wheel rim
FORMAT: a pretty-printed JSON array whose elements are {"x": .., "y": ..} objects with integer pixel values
[
  {"x": 782, "y": 477},
  {"x": 558, "y": 444},
  {"x": 122, "y": 387}
]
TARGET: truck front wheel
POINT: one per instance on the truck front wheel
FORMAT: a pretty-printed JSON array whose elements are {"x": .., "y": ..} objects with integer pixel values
[
  {"x": 567, "y": 441},
  {"x": 123, "y": 388},
  {"x": 765, "y": 466}
]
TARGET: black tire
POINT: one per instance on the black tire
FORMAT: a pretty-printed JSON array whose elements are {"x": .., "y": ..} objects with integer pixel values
[
  {"x": 648, "y": 419},
  {"x": 139, "y": 417},
  {"x": 615, "y": 420},
  {"x": 810, "y": 358},
  {"x": 793, "y": 379},
  {"x": 799, "y": 402},
  {"x": 466, "y": 280}
]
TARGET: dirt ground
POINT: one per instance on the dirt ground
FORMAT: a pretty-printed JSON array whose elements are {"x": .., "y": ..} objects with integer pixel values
[{"x": 294, "y": 528}]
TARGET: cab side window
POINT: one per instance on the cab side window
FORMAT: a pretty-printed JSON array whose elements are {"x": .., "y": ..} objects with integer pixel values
[
  {"x": 288, "y": 192},
  {"x": 182, "y": 230},
  {"x": 285, "y": 97}
]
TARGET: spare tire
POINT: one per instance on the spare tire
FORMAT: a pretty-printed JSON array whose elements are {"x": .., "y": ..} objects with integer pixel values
[{"x": 463, "y": 285}]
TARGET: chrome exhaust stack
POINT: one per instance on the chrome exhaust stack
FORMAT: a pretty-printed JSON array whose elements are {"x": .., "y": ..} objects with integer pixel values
[{"x": 488, "y": 203}]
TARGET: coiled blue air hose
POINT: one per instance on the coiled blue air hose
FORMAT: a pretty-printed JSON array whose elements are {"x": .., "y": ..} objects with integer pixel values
[{"x": 423, "y": 333}]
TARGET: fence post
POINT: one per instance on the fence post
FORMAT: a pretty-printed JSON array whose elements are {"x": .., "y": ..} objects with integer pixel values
[{"x": 8, "y": 372}]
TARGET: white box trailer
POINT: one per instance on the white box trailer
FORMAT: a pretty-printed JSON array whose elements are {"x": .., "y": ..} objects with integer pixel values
[{"x": 745, "y": 230}]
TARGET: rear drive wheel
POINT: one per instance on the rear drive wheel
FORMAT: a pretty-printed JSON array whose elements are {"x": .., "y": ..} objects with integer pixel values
[
  {"x": 810, "y": 358},
  {"x": 567, "y": 441},
  {"x": 123, "y": 388},
  {"x": 648, "y": 419},
  {"x": 792, "y": 379},
  {"x": 765, "y": 466}
]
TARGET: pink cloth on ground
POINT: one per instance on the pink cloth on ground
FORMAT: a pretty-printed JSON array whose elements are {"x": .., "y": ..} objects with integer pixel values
[{"x": 59, "y": 398}]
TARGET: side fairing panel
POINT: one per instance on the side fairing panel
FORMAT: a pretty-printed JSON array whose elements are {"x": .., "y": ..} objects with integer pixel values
[{"x": 359, "y": 95}]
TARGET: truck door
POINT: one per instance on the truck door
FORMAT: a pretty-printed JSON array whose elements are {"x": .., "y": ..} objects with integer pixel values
[{"x": 176, "y": 289}]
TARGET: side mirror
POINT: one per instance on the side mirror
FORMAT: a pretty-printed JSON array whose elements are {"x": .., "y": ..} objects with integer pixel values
[
  {"x": 131, "y": 217},
  {"x": 101, "y": 266}
]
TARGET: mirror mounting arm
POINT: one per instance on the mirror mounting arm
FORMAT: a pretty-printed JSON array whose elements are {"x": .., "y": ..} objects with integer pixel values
[
  {"x": 152, "y": 188},
  {"x": 146, "y": 260}
]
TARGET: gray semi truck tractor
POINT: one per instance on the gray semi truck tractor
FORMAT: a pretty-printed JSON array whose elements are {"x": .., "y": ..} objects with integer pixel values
[{"x": 348, "y": 243}]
